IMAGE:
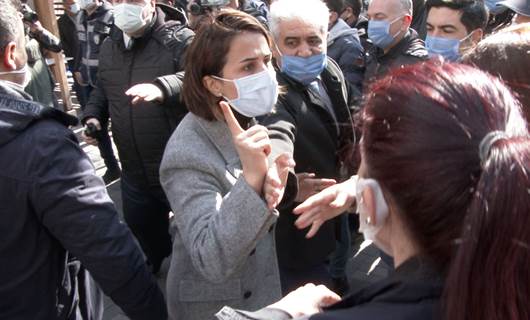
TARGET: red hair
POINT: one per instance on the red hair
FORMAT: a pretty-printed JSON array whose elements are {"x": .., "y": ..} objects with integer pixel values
[{"x": 422, "y": 127}]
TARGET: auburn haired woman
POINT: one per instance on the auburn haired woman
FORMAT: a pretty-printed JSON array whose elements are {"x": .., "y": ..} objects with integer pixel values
[{"x": 444, "y": 188}]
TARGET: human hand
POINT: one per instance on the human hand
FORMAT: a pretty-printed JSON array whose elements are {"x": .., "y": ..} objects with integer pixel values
[
  {"x": 308, "y": 185},
  {"x": 252, "y": 145},
  {"x": 306, "y": 300},
  {"x": 79, "y": 78},
  {"x": 87, "y": 139},
  {"x": 145, "y": 92},
  {"x": 34, "y": 27},
  {"x": 325, "y": 205},
  {"x": 276, "y": 179}
]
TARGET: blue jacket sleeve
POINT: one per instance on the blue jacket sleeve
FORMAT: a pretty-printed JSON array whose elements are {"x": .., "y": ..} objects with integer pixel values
[{"x": 73, "y": 204}]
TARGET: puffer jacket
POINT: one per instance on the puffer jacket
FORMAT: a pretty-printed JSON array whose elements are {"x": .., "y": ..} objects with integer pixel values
[
  {"x": 410, "y": 50},
  {"x": 57, "y": 220},
  {"x": 140, "y": 131}
]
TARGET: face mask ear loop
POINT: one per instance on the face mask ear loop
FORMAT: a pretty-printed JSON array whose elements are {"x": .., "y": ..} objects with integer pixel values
[
  {"x": 391, "y": 23},
  {"x": 235, "y": 84}
]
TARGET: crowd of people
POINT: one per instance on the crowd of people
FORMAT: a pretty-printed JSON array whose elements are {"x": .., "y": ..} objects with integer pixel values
[{"x": 249, "y": 133}]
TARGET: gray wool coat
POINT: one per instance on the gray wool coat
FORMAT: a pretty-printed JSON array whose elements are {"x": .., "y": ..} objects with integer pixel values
[{"x": 223, "y": 249}]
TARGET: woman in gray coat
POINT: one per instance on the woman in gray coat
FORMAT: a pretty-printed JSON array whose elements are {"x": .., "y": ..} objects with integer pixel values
[{"x": 216, "y": 174}]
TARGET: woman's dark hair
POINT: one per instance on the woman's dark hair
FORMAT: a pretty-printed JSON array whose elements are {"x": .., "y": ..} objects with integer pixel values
[
  {"x": 207, "y": 56},
  {"x": 422, "y": 130},
  {"x": 506, "y": 55}
]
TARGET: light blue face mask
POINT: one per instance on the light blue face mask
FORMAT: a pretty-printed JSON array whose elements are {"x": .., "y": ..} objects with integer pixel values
[
  {"x": 379, "y": 32},
  {"x": 447, "y": 48},
  {"x": 304, "y": 70}
]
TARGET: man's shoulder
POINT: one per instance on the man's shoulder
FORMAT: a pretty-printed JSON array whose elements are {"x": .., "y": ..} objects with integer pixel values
[
  {"x": 174, "y": 33},
  {"x": 415, "y": 47}
]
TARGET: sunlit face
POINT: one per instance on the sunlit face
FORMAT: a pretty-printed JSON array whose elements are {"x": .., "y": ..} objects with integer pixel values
[
  {"x": 249, "y": 54},
  {"x": 387, "y": 10},
  {"x": 444, "y": 22},
  {"x": 301, "y": 39}
]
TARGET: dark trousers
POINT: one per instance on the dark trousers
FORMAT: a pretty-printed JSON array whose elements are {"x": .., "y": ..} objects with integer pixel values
[
  {"x": 148, "y": 218},
  {"x": 104, "y": 143},
  {"x": 292, "y": 279},
  {"x": 341, "y": 255}
]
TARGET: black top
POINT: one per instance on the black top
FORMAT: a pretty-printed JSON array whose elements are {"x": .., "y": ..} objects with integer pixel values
[{"x": 411, "y": 292}]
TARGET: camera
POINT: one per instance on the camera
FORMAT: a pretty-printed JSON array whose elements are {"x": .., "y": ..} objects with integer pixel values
[
  {"x": 92, "y": 131},
  {"x": 200, "y": 7},
  {"x": 28, "y": 14}
]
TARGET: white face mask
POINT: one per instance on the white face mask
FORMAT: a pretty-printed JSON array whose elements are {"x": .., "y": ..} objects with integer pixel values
[
  {"x": 74, "y": 8},
  {"x": 25, "y": 71},
  {"x": 370, "y": 229},
  {"x": 129, "y": 17},
  {"x": 83, "y": 4},
  {"x": 256, "y": 94}
]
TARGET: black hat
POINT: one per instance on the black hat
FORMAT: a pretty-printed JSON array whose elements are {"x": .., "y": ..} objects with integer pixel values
[{"x": 521, "y": 7}]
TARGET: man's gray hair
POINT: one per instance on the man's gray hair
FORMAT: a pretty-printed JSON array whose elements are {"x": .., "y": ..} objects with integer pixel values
[
  {"x": 9, "y": 24},
  {"x": 312, "y": 12},
  {"x": 406, "y": 6}
]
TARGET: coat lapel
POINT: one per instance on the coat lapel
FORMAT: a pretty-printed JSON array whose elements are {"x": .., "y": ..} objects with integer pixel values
[{"x": 220, "y": 136}]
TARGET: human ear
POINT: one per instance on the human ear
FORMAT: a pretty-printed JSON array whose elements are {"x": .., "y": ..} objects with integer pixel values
[
  {"x": 407, "y": 21},
  {"x": 9, "y": 60},
  {"x": 212, "y": 85},
  {"x": 477, "y": 36},
  {"x": 369, "y": 202}
]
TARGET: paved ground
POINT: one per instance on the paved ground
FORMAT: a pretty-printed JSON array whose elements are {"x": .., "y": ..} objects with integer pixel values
[{"x": 363, "y": 267}]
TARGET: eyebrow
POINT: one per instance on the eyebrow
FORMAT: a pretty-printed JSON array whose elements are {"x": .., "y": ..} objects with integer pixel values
[
  {"x": 254, "y": 58},
  {"x": 445, "y": 26}
]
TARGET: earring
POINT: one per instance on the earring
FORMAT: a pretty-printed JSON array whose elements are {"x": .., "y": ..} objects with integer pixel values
[{"x": 368, "y": 220}]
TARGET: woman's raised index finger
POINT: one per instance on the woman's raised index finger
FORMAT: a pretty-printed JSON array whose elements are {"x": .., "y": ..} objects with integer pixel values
[{"x": 231, "y": 120}]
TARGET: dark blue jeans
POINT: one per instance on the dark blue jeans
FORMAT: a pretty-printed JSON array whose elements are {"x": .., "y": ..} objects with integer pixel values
[
  {"x": 148, "y": 218},
  {"x": 104, "y": 143}
]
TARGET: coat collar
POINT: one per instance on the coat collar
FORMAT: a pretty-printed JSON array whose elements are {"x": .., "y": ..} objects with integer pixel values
[
  {"x": 415, "y": 278},
  {"x": 220, "y": 136}
]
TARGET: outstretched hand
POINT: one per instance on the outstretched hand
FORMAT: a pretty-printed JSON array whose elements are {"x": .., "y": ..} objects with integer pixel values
[
  {"x": 308, "y": 185},
  {"x": 145, "y": 92},
  {"x": 307, "y": 300},
  {"x": 325, "y": 205}
]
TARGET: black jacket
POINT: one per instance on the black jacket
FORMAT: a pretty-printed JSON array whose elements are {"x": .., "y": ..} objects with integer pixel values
[
  {"x": 409, "y": 50},
  {"x": 69, "y": 40},
  {"x": 412, "y": 292},
  {"x": 54, "y": 210},
  {"x": 302, "y": 126},
  {"x": 140, "y": 131}
]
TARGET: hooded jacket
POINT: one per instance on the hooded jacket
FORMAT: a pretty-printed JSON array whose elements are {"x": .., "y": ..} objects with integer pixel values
[
  {"x": 344, "y": 46},
  {"x": 57, "y": 220}
]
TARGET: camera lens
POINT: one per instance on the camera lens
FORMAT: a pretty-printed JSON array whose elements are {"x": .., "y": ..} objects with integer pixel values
[{"x": 196, "y": 9}]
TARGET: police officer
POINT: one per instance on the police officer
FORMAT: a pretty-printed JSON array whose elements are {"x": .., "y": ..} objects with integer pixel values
[{"x": 93, "y": 26}]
